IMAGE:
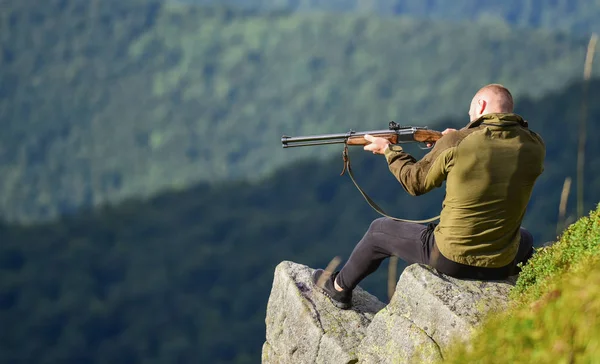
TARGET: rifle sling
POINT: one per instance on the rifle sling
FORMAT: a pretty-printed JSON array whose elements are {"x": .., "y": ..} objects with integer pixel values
[{"x": 370, "y": 201}]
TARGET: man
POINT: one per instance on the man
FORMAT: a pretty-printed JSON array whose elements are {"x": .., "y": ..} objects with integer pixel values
[{"x": 490, "y": 167}]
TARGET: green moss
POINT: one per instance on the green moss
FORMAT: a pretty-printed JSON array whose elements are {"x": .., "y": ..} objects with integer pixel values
[
  {"x": 580, "y": 240},
  {"x": 555, "y": 308},
  {"x": 562, "y": 327}
]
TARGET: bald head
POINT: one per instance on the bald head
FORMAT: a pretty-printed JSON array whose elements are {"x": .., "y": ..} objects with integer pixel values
[{"x": 493, "y": 98}]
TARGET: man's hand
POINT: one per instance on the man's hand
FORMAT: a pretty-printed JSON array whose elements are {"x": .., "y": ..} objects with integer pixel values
[
  {"x": 447, "y": 131},
  {"x": 378, "y": 145}
]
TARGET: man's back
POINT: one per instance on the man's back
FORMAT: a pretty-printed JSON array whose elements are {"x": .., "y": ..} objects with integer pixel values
[{"x": 491, "y": 167}]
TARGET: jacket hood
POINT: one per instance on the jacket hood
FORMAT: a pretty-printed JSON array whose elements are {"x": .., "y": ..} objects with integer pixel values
[{"x": 498, "y": 119}]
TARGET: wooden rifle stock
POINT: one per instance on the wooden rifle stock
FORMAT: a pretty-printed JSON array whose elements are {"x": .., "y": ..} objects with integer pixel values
[
  {"x": 360, "y": 139},
  {"x": 419, "y": 135}
]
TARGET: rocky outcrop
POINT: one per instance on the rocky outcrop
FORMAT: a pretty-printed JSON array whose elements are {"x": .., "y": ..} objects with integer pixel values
[
  {"x": 425, "y": 314},
  {"x": 304, "y": 327}
]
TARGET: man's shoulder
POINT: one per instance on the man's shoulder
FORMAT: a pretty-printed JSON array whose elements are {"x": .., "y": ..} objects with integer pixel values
[{"x": 453, "y": 138}]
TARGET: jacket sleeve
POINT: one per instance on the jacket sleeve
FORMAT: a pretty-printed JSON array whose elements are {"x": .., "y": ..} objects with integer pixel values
[{"x": 421, "y": 177}]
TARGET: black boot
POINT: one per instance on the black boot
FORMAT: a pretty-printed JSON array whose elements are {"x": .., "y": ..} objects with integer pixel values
[{"x": 342, "y": 299}]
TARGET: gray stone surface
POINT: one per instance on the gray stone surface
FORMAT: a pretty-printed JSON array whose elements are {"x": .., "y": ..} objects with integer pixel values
[
  {"x": 446, "y": 307},
  {"x": 391, "y": 338},
  {"x": 268, "y": 355},
  {"x": 304, "y": 327}
]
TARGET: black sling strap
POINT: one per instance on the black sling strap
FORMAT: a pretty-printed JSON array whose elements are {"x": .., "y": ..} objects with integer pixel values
[{"x": 370, "y": 201}]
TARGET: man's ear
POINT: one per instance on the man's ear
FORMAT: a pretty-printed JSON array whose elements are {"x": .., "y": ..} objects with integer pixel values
[{"x": 482, "y": 105}]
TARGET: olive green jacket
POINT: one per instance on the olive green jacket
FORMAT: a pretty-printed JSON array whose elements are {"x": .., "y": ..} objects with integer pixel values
[{"x": 490, "y": 167}]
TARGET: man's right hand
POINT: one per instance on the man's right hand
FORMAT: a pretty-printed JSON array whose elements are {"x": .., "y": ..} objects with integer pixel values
[{"x": 447, "y": 131}]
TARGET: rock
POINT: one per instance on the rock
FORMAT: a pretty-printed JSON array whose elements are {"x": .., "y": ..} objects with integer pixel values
[
  {"x": 391, "y": 338},
  {"x": 268, "y": 355},
  {"x": 427, "y": 312},
  {"x": 304, "y": 327},
  {"x": 446, "y": 307}
]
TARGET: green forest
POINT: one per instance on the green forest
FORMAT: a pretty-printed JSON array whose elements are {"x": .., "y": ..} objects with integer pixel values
[
  {"x": 185, "y": 276},
  {"x": 572, "y": 15},
  {"x": 104, "y": 100},
  {"x": 145, "y": 198}
]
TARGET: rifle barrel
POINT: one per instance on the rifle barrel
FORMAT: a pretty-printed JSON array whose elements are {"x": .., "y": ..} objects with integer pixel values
[{"x": 306, "y": 144}]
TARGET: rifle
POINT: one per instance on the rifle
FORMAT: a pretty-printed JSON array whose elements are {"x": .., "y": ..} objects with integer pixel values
[{"x": 396, "y": 134}]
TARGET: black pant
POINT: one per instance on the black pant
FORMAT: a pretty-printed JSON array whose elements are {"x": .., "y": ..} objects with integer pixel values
[{"x": 415, "y": 243}]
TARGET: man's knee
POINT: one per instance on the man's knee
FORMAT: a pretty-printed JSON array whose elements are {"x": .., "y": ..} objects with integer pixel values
[
  {"x": 370, "y": 239},
  {"x": 376, "y": 224}
]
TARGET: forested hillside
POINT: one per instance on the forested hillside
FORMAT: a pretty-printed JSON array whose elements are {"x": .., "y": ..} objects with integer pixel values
[
  {"x": 185, "y": 277},
  {"x": 104, "y": 99},
  {"x": 582, "y": 16}
]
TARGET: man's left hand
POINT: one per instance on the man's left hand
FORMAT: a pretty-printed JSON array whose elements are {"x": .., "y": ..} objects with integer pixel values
[{"x": 378, "y": 145}]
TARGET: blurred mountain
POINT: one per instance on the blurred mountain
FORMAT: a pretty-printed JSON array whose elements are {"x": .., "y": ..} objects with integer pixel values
[
  {"x": 184, "y": 277},
  {"x": 104, "y": 100},
  {"x": 579, "y": 16}
]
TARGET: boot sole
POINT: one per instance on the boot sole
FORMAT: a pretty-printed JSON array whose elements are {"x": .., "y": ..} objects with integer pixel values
[{"x": 338, "y": 304}]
